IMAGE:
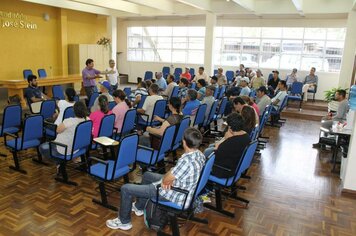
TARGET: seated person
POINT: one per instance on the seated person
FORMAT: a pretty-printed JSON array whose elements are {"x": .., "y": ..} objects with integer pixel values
[
  {"x": 258, "y": 80},
  {"x": 214, "y": 81},
  {"x": 249, "y": 73},
  {"x": 122, "y": 106},
  {"x": 63, "y": 104},
  {"x": 278, "y": 99},
  {"x": 290, "y": 79},
  {"x": 229, "y": 150},
  {"x": 208, "y": 99},
  {"x": 183, "y": 88},
  {"x": 160, "y": 81},
  {"x": 105, "y": 87},
  {"x": 273, "y": 82},
  {"x": 250, "y": 117},
  {"x": 184, "y": 175},
  {"x": 171, "y": 84},
  {"x": 175, "y": 118},
  {"x": 221, "y": 77},
  {"x": 310, "y": 82},
  {"x": 202, "y": 89},
  {"x": 186, "y": 74},
  {"x": 245, "y": 90},
  {"x": 141, "y": 90},
  {"x": 201, "y": 75},
  {"x": 98, "y": 115},
  {"x": 150, "y": 102},
  {"x": 65, "y": 132},
  {"x": 340, "y": 115},
  {"x": 262, "y": 99},
  {"x": 191, "y": 103},
  {"x": 33, "y": 94},
  {"x": 251, "y": 103}
]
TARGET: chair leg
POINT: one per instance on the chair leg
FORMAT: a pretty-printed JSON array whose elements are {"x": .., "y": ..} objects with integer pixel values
[
  {"x": 64, "y": 178},
  {"x": 16, "y": 165},
  {"x": 104, "y": 199},
  {"x": 126, "y": 179},
  {"x": 174, "y": 225},
  {"x": 218, "y": 204},
  {"x": 39, "y": 158}
]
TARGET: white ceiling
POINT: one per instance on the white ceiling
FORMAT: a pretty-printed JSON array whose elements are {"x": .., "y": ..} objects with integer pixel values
[{"x": 222, "y": 8}]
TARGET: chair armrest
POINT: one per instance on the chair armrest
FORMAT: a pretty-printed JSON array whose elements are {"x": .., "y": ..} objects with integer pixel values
[
  {"x": 222, "y": 168},
  {"x": 58, "y": 144},
  {"x": 106, "y": 163},
  {"x": 98, "y": 160},
  {"x": 147, "y": 148},
  {"x": 12, "y": 136},
  {"x": 148, "y": 117},
  {"x": 50, "y": 125},
  {"x": 185, "y": 192}
]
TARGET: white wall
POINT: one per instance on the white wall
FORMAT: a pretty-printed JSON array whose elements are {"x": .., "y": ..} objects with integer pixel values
[{"x": 135, "y": 69}]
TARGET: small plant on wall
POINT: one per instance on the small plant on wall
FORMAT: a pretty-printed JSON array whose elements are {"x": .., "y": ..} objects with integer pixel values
[{"x": 106, "y": 42}]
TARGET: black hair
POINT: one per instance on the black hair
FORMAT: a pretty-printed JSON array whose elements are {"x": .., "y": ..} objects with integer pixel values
[
  {"x": 202, "y": 82},
  {"x": 193, "y": 94},
  {"x": 313, "y": 68},
  {"x": 148, "y": 83},
  {"x": 214, "y": 78},
  {"x": 122, "y": 96},
  {"x": 143, "y": 84},
  {"x": 171, "y": 76},
  {"x": 103, "y": 104},
  {"x": 249, "y": 115},
  {"x": 139, "y": 80},
  {"x": 235, "y": 121},
  {"x": 70, "y": 93},
  {"x": 30, "y": 78},
  {"x": 176, "y": 103},
  {"x": 80, "y": 110},
  {"x": 88, "y": 61},
  {"x": 154, "y": 88},
  {"x": 242, "y": 65},
  {"x": 239, "y": 100},
  {"x": 201, "y": 68},
  {"x": 342, "y": 92},
  {"x": 184, "y": 81},
  {"x": 192, "y": 137},
  {"x": 284, "y": 83}
]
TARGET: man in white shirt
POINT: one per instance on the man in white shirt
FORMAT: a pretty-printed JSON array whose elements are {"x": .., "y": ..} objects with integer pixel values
[
  {"x": 150, "y": 102},
  {"x": 245, "y": 90},
  {"x": 171, "y": 84},
  {"x": 262, "y": 100},
  {"x": 113, "y": 75},
  {"x": 278, "y": 99},
  {"x": 201, "y": 75}
]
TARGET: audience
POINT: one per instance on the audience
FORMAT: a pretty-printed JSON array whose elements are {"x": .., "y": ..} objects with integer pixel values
[
  {"x": 273, "y": 82},
  {"x": 201, "y": 89},
  {"x": 249, "y": 73},
  {"x": 278, "y": 99},
  {"x": 104, "y": 89},
  {"x": 122, "y": 106},
  {"x": 251, "y": 103},
  {"x": 310, "y": 82},
  {"x": 184, "y": 175},
  {"x": 221, "y": 77},
  {"x": 201, "y": 75},
  {"x": 63, "y": 104},
  {"x": 183, "y": 88},
  {"x": 258, "y": 80},
  {"x": 171, "y": 85},
  {"x": 160, "y": 81},
  {"x": 150, "y": 102},
  {"x": 33, "y": 94},
  {"x": 291, "y": 78},
  {"x": 191, "y": 103},
  {"x": 214, "y": 82},
  {"x": 99, "y": 114},
  {"x": 245, "y": 90},
  {"x": 186, "y": 74},
  {"x": 140, "y": 90},
  {"x": 262, "y": 100},
  {"x": 250, "y": 117}
]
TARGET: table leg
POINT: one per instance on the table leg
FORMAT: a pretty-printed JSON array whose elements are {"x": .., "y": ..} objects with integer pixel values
[{"x": 13, "y": 91}]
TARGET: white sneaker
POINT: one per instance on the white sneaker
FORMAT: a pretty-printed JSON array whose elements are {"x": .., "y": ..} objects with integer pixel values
[
  {"x": 116, "y": 224},
  {"x": 137, "y": 211}
]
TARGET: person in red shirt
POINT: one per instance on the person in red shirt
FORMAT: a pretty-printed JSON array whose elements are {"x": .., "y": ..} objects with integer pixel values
[{"x": 186, "y": 74}]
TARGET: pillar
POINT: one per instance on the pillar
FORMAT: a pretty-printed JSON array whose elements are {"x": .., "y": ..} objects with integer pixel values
[
  {"x": 111, "y": 29},
  {"x": 63, "y": 44},
  {"x": 210, "y": 23}
]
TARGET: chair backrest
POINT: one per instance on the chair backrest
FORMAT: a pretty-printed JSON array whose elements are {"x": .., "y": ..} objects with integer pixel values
[
  {"x": 48, "y": 108},
  {"x": 246, "y": 159},
  {"x": 129, "y": 122},
  {"x": 107, "y": 126},
  {"x": 264, "y": 118},
  {"x": 33, "y": 128},
  {"x": 222, "y": 91},
  {"x": 127, "y": 91},
  {"x": 211, "y": 114},
  {"x": 204, "y": 175},
  {"x": 216, "y": 93},
  {"x": 184, "y": 124},
  {"x": 215, "y": 71},
  {"x": 200, "y": 115},
  {"x": 68, "y": 112},
  {"x": 26, "y": 73},
  {"x": 252, "y": 93},
  {"x": 165, "y": 71},
  {"x": 284, "y": 104},
  {"x": 193, "y": 85},
  {"x": 11, "y": 118},
  {"x": 42, "y": 73},
  {"x": 166, "y": 143},
  {"x": 192, "y": 71},
  {"x": 142, "y": 101},
  {"x": 148, "y": 75},
  {"x": 229, "y": 76},
  {"x": 82, "y": 136},
  {"x": 112, "y": 104},
  {"x": 297, "y": 88},
  {"x": 76, "y": 98},
  {"x": 254, "y": 133},
  {"x": 159, "y": 109},
  {"x": 222, "y": 106},
  {"x": 127, "y": 152},
  {"x": 57, "y": 92},
  {"x": 175, "y": 92},
  {"x": 93, "y": 97},
  {"x": 178, "y": 71}
]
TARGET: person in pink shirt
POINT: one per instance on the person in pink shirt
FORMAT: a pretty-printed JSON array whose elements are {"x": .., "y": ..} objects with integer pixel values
[
  {"x": 122, "y": 106},
  {"x": 98, "y": 115},
  {"x": 186, "y": 74}
]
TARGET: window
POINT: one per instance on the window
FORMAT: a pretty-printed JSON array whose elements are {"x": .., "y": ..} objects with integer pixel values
[
  {"x": 166, "y": 44},
  {"x": 278, "y": 47}
]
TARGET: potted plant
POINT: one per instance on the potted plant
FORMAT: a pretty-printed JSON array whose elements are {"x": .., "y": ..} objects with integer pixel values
[{"x": 329, "y": 96}]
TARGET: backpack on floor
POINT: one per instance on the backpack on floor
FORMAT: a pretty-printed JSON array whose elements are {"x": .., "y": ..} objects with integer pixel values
[{"x": 154, "y": 217}]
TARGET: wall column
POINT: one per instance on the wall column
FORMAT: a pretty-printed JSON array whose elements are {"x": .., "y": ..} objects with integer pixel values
[
  {"x": 63, "y": 44},
  {"x": 349, "y": 52},
  {"x": 210, "y": 23},
  {"x": 111, "y": 29}
]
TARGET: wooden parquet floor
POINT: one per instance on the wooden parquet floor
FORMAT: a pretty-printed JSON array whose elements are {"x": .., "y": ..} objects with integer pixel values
[{"x": 292, "y": 192}]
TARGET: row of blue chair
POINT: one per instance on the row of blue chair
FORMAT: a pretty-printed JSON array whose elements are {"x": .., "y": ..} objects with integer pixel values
[{"x": 41, "y": 73}]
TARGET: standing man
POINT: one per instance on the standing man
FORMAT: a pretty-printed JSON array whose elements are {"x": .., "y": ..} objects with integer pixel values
[
  {"x": 89, "y": 74},
  {"x": 310, "y": 82},
  {"x": 33, "y": 94},
  {"x": 112, "y": 75}
]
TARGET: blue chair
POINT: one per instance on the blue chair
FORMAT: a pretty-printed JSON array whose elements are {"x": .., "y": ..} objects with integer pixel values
[
  {"x": 32, "y": 135},
  {"x": 76, "y": 98},
  {"x": 200, "y": 115},
  {"x": 51, "y": 129},
  {"x": 127, "y": 91},
  {"x": 275, "y": 114},
  {"x": 11, "y": 121},
  {"x": 106, "y": 128},
  {"x": 229, "y": 76},
  {"x": 252, "y": 93},
  {"x": 254, "y": 133},
  {"x": 57, "y": 92},
  {"x": 215, "y": 71},
  {"x": 175, "y": 92},
  {"x": 296, "y": 93},
  {"x": 112, "y": 104},
  {"x": 165, "y": 71},
  {"x": 192, "y": 72},
  {"x": 26, "y": 73},
  {"x": 220, "y": 112},
  {"x": 193, "y": 85},
  {"x": 142, "y": 101},
  {"x": 42, "y": 73},
  {"x": 48, "y": 108},
  {"x": 149, "y": 156},
  {"x": 148, "y": 76},
  {"x": 216, "y": 93},
  {"x": 177, "y": 73},
  {"x": 184, "y": 124},
  {"x": 112, "y": 170},
  {"x": 92, "y": 99},
  {"x": 158, "y": 110},
  {"x": 68, "y": 112},
  {"x": 81, "y": 144},
  {"x": 313, "y": 91},
  {"x": 222, "y": 91},
  {"x": 230, "y": 182},
  {"x": 174, "y": 210},
  {"x": 208, "y": 120},
  {"x": 128, "y": 125}
]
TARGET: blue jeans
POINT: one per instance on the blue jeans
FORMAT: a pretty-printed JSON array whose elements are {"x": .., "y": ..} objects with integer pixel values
[
  {"x": 142, "y": 193},
  {"x": 44, "y": 150},
  {"x": 209, "y": 150}
]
